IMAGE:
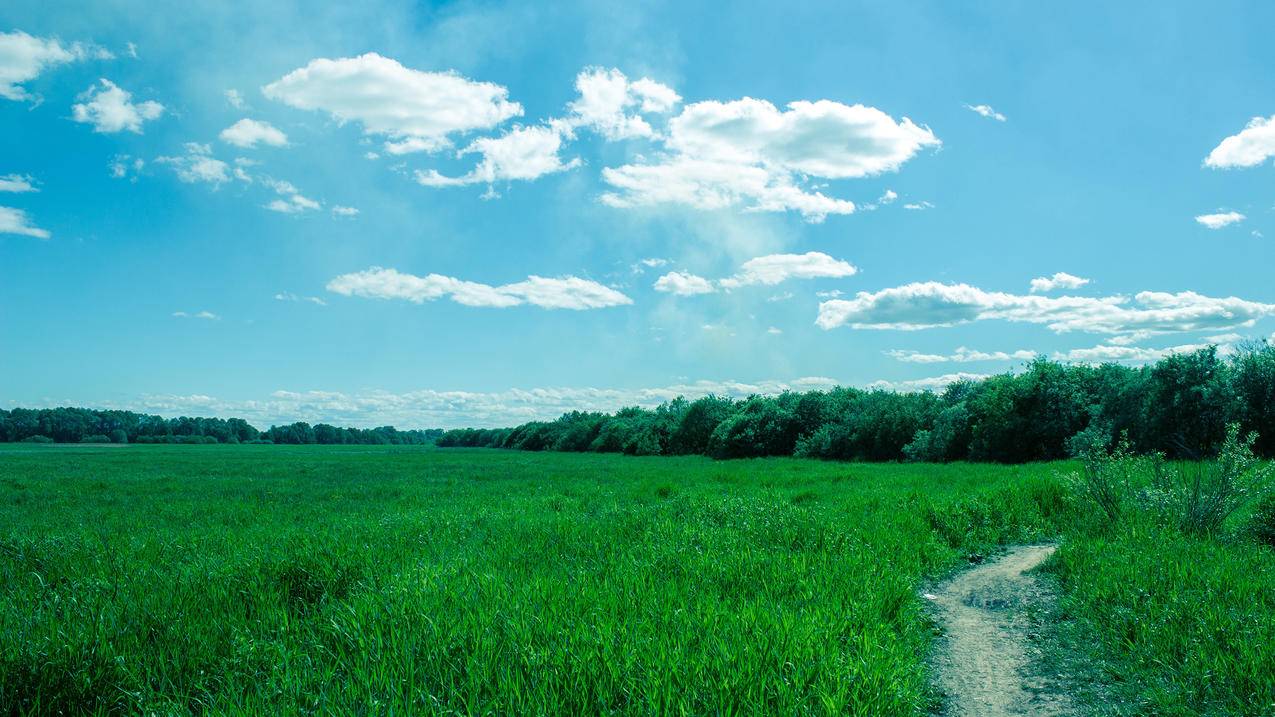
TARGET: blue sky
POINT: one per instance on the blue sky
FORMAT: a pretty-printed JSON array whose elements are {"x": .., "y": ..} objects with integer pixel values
[{"x": 481, "y": 213}]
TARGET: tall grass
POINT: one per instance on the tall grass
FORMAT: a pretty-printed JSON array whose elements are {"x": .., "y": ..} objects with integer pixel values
[
  {"x": 1168, "y": 591},
  {"x": 370, "y": 579},
  {"x": 335, "y": 580}
]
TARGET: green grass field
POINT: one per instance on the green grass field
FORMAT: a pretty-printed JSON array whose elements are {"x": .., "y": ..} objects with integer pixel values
[{"x": 367, "y": 579}]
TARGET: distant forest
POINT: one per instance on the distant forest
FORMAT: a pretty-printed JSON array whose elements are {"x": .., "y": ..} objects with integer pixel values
[
  {"x": 85, "y": 425},
  {"x": 1180, "y": 406}
]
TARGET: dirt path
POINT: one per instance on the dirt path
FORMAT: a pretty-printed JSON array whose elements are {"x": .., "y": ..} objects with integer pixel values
[{"x": 984, "y": 660}]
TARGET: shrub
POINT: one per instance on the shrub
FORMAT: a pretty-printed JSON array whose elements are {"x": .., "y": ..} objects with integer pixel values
[
  {"x": 1262, "y": 526},
  {"x": 1210, "y": 492},
  {"x": 1197, "y": 497},
  {"x": 99, "y": 438},
  {"x": 1111, "y": 479},
  {"x": 37, "y": 439},
  {"x": 119, "y": 436}
]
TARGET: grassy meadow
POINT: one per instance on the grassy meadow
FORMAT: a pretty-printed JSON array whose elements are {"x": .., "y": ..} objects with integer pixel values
[{"x": 403, "y": 579}]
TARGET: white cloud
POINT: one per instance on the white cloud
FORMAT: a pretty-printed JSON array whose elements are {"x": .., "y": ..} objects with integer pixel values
[
  {"x": 235, "y": 99},
  {"x": 1219, "y": 220},
  {"x": 831, "y": 294},
  {"x": 131, "y": 49},
  {"x": 340, "y": 211},
  {"x": 409, "y": 106},
  {"x": 1123, "y": 354},
  {"x": 17, "y": 183},
  {"x": 776, "y": 268},
  {"x": 293, "y": 202},
  {"x": 931, "y": 304},
  {"x": 206, "y": 315},
  {"x": 109, "y": 108},
  {"x": 198, "y": 165},
  {"x": 1130, "y": 339},
  {"x": 715, "y": 185},
  {"x": 23, "y": 57},
  {"x": 763, "y": 270},
  {"x": 122, "y": 165},
  {"x": 681, "y": 284},
  {"x": 1060, "y": 280},
  {"x": 1249, "y": 148},
  {"x": 568, "y": 292},
  {"x": 919, "y": 206},
  {"x": 749, "y": 153},
  {"x": 248, "y": 133},
  {"x": 774, "y": 331},
  {"x": 961, "y": 355},
  {"x": 289, "y": 296},
  {"x": 933, "y": 383},
  {"x": 15, "y": 221},
  {"x": 523, "y": 153},
  {"x": 986, "y": 111},
  {"x": 606, "y": 98}
]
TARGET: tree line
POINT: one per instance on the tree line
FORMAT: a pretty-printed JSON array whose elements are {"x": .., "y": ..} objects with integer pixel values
[
  {"x": 1180, "y": 406},
  {"x": 86, "y": 425}
]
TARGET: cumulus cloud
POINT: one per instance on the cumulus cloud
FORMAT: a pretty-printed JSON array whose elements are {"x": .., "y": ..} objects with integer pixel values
[
  {"x": 1107, "y": 353},
  {"x": 763, "y": 270},
  {"x": 415, "y": 110},
  {"x": 1248, "y": 148},
  {"x": 986, "y": 111},
  {"x": 749, "y": 153},
  {"x": 1219, "y": 220},
  {"x": 926, "y": 305},
  {"x": 235, "y": 99},
  {"x": 340, "y": 211},
  {"x": 715, "y": 185},
  {"x": 681, "y": 284},
  {"x": 523, "y": 153},
  {"x": 15, "y": 221},
  {"x": 568, "y": 292},
  {"x": 607, "y": 100},
  {"x": 110, "y": 108},
  {"x": 248, "y": 133},
  {"x": 198, "y": 165},
  {"x": 961, "y": 355},
  {"x": 23, "y": 57},
  {"x": 1060, "y": 280},
  {"x": 777, "y": 268},
  {"x": 17, "y": 183}
]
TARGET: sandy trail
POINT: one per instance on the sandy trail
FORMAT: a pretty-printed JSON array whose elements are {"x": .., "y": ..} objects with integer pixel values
[{"x": 983, "y": 662}]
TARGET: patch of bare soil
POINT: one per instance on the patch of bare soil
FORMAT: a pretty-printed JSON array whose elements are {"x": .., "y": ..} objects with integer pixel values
[{"x": 986, "y": 662}]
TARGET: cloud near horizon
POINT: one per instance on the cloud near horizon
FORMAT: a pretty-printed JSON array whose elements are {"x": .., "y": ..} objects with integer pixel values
[
  {"x": 925, "y": 305},
  {"x": 568, "y": 292}
]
